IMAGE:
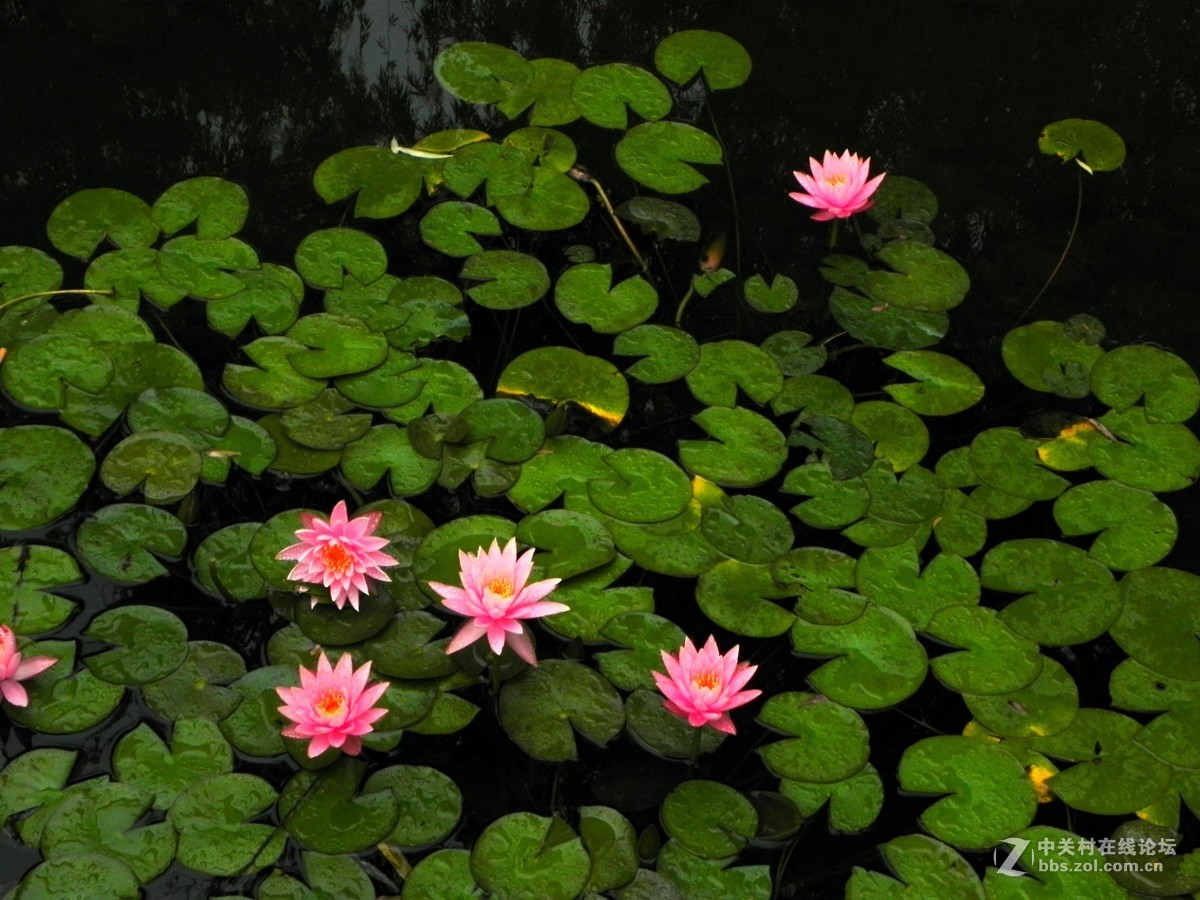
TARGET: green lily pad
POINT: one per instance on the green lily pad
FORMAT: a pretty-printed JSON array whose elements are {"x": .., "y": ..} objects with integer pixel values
[
  {"x": 662, "y": 732},
  {"x": 879, "y": 661},
  {"x": 833, "y": 503},
  {"x": 323, "y": 423},
  {"x": 1045, "y": 706},
  {"x": 778, "y": 297},
  {"x": 645, "y": 635},
  {"x": 62, "y": 701},
  {"x": 747, "y": 528},
  {"x": 925, "y": 278},
  {"x": 380, "y": 387},
  {"x": 43, "y": 472},
  {"x": 444, "y": 386},
  {"x": 711, "y": 879},
  {"x": 526, "y": 855},
  {"x": 829, "y": 742},
  {"x": 327, "y": 876},
  {"x": 254, "y": 725},
  {"x": 27, "y": 270},
  {"x": 1114, "y": 775},
  {"x": 330, "y": 813},
  {"x": 724, "y": 62},
  {"x": 560, "y": 374},
  {"x": 892, "y": 577},
  {"x": 1147, "y": 456},
  {"x": 1102, "y": 148},
  {"x": 337, "y": 345},
  {"x": 513, "y": 431},
  {"x": 273, "y": 382},
  {"x": 669, "y": 353},
  {"x": 406, "y": 648},
  {"x": 553, "y": 202},
  {"x": 81, "y": 876},
  {"x": 585, "y": 294},
  {"x": 900, "y": 437},
  {"x": 142, "y": 759},
  {"x": 479, "y": 72},
  {"x": 592, "y": 602},
  {"x": 1160, "y": 617},
  {"x": 725, "y": 366},
  {"x": 450, "y": 227},
  {"x": 36, "y": 374},
  {"x": 854, "y": 804},
  {"x": 215, "y": 834},
  {"x": 387, "y": 448},
  {"x": 737, "y": 596},
  {"x": 903, "y": 198},
  {"x": 794, "y": 353},
  {"x": 748, "y": 449},
  {"x": 844, "y": 448},
  {"x": 326, "y": 258},
  {"x": 292, "y": 458},
  {"x": 217, "y": 207},
  {"x": 1043, "y": 357},
  {"x": 79, "y": 223},
  {"x": 659, "y": 155},
  {"x": 34, "y": 780},
  {"x": 25, "y": 571},
  {"x": 509, "y": 279},
  {"x": 611, "y": 845},
  {"x": 183, "y": 410},
  {"x": 885, "y": 325},
  {"x": 944, "y": 385},
  {"x": 979, "y": 777},
  {"x": 549, "y": 91},
  {"x": 1007, "y": 461},
  {"x": 995, "y": 661},
  {"x": 131, "y": 275},
  {"x": 152, "y": 643},
  {"x": 1073, "y": 599},
  {"x": 120, "y": 541},
  {"x": 602, "y": 93},
  {"x": 205, "y": 268},
  {"x": 1136, "y": 528},
  {"x": 442, "y": 874},
  {"x": 539, "y": 708},
  {"x": 924, "y": 868},
  {"x": 709, "y": 819},
  {"x": 641, "y": 486},
  {"x": 271, "y": 296},
  {"x": 1128, "y": 374},
  {"x": 504, "y": 171},
  {"x": 1170, "y": 736},
  {"x": 165, "y": 466},
  {"x": 195, "y": 689},
  {"x": 436, "y": 559},
  {"x": 448, "y": 714},
  {"x": 386, "y": 183},
  {"x": 661, "y": 218},
  {"x": 430, "y": 804}
]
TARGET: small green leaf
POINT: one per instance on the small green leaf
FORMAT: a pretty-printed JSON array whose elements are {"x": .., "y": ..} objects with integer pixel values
[
  {"x": 325, "y": 258},
  {"x": 218, "y": 207},
  {"x": 724, "y": 61},
  {"x": 1136, "y": 528},
  {"x": 163, "y": 465},
  {"x": 560, "y": 374},
  {"x": 748, "y": 449},
  {"x": 387, "y": 183},
  {"x": 1041, "y": 356},
  {"x": 658, "y": 155},
  {"x": 584, "y": 294},
  {"x": 1102, "y": 148},
  {"x": 829, "y": 742},
  {"x": 479, "y": 72},
  {"x": 944, "y": 385},
  {"x": 142, "y": 759},
  {"x": 602, "y": 93},
  {"x": 669, "y": 353},
  {"x": 510, "y": 279},
  {"x": 1167, "y": 384}
]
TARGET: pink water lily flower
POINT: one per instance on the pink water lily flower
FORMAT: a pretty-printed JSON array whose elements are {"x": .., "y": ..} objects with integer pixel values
[
  {"x": 495, "y": 595},
  {"x": 333, "y": 706},
  {"x": 838, "y": 187},
  {"x": 702, "y": 685},
  {"x": 340, "y": 554},
  {"x": 14, "y": 670}
]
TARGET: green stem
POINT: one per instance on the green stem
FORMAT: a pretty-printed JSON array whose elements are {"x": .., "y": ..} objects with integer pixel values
[
  {"x": 494, "y": 671},
  {"x": 694, "y": 750},
  {"x": 1062, "y": 259},
  {"x": 833, "y": 233},
  {"x": 15, "y": 300},
  {"x": 687, "y": 298}
]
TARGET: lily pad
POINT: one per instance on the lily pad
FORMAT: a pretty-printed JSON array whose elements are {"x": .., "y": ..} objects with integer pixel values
[
  {"x": 712, "y": 879},
  {"x": 662, "y": 732},
  {"x": 25, "y": 572},
  {"x": 430, "y": 804},
  {"x": 1159, "y": 621},
  {"x": 1007, "y": 461},
  {"x": 979, "y": 777},
  {"x": 924, "y": 868},
  {"x": 216, "y": 835},
  {"x": 36, "y": 373},
  {"x": 387, "y": 448},
  {"x": 79, "y": 223},
  {"x": 205, "y": 268},
  {"x": 131, "y": 275},
  {"x": 1073, "y": 599},
  {"x": 995, "y": 661},
  {"x": 944, "y": 385},
  {"x": 152, "y": 643},
  {"x": 726, "y": 366},
  {"x": 526, "y": 855},
  {"x": 885, "y": 325},
  {"x": 659, "y": 155},
  {"x": 548, "y": 90},
  {"x": 539, "y": 709},
  {"x": 329, "y": 812},
  {"x": 34, "y": 780},
  {"x": 1102, "y": 148},
  {"x": 441, "y": 874},
  {"x": 585, "y": 294},
  {"x": 828, "y": 743},
  {"x": 195, "y": 690},
  {"x": 142, "y": 759},
  {"x": 479, "y": 72},
  {"x": 163, "y": 465},
  {"x": 43, "y": 472},
  {"x": 900, "y": 437},
  {"x": 216, "y": 206},
  {"x": 560, "y": 374},
  {"x": 747, "y": 528},
  {"x": 338, "y": 345},
  {"x": 1045, "y": 706},
  {"x": 509, "y": 279},
  {"x": 552, "y": 202},
  {"x": 62, "y": 701},
  {"x": 662, "y": 218},
  {"x": 925, "y": 278},
  {"x": 854, "y": 804},
  {"x": 450, "y": 227},
  {"x": 1043, "y": 357},
  {"x": 737, "y": 596},
  {"x": 748, "y": 449},
  {"x": 386, "y": 183},
  {"x": 1168, "y": 385},
  {"x": 724, "y": 62},
  {"x": 1147, "y": 456},
  {"x": 325, "y": 258},
  {"x": 645, "y": 635},
  {"x": 271, "y": 296},
  {"x": 709, "y": 819},
  {"x": 272, "y": 383},
  {"x": 120, "y": 541},
  {"x": 611, "y": 844},
  {"x": 602, "y": 93},
  {"x": 892, "y": 577},
  {"x": 669, "y": 353},
  {"x": 1136, "y": 528}
]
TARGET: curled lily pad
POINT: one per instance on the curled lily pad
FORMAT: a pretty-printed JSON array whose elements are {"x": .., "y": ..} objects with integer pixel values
[
  {"x": 1073, "y": 599},
  {"x": 724, "y": 62},
  {"x": 1102, "y": 148},
  {"x": 152, "y": 643},
  {"x": 25, "y": 572},
  {"x": 523, "y": 854},
  {"x": 119, "y": 541},
  {"x": 43, "y": 472},
  {"x": 386, "y": 183},
  {"x": 539, "y": 709},
  {"x": 216, "y": 835},
  {"x": 479, "y": 72},
  {"x": 944, "y": 385},
  {"x": 560, "y": 374},
  {"x": 659, "y": 155},
  {"x": 710, "y": 819},
  {"x": 884, "y": 325},
  {"x": 585, "y": 294},
  {"x": 83, "y": 220}
]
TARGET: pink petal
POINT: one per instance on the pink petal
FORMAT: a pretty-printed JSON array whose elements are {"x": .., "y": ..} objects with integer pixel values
[
  {"x": 470, "y": 632},
  {"x": 14, "y": 693},
  {"x": 31, "y": 667},
  {"x": 522, "y": 645}
]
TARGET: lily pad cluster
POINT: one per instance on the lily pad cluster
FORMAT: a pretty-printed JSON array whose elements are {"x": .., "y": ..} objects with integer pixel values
[{"x": 790, "y": 512}]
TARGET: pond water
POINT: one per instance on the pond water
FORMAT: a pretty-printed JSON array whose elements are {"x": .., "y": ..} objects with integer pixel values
[{"x": 136, "y": 96}]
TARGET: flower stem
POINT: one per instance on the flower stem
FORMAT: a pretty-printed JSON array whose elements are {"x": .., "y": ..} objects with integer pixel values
[
  {"x": 15, "y": 300},
  {"x": 833, "y": 233},
  {"x": 494, "y": 671},
  {"x": 694, "y": 750},
  {"x": 687, "y": 298},
  {"x": 1062, "y": 259}
]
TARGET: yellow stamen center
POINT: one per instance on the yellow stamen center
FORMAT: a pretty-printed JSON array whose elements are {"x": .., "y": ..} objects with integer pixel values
[
  {"x": 836, "y": 180},
  {"x": 335, "y": 558},
  {"x": 330, "y": 703},
  {"x": 501, "y": 587},
  {"x": 708, "y": 680}
]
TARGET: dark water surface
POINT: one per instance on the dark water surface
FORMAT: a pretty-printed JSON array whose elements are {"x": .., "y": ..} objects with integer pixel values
[{"x": 139, "y": 95}]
